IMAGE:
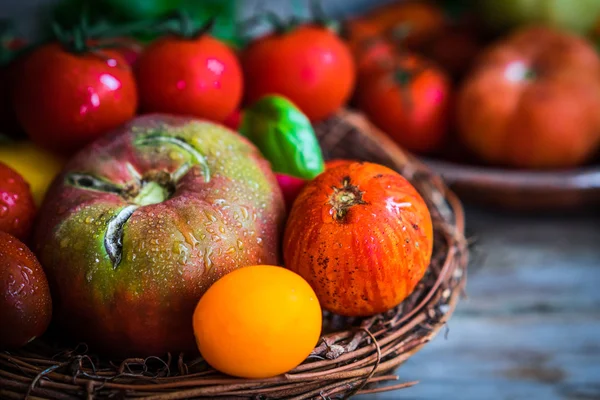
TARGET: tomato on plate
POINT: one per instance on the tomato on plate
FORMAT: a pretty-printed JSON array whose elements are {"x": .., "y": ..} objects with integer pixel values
[
  {"x": 65, "y": 99},
  {"x": 196, "y": 76},
  {"x": 410, "y": 102},
  {"x": 308, "y": 64}
]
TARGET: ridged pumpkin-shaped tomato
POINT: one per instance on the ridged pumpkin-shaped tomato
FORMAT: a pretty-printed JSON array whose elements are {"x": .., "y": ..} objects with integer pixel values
[{"x": 361, "y": 235}]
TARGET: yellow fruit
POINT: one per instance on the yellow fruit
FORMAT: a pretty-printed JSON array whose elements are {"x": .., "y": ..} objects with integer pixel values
[
  {"x": 257, "y": 322},
  {"x": 37, "y": 166}
]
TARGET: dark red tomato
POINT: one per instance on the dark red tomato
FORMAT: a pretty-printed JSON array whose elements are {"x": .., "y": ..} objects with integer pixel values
[
  {"x": 309, "y": 65},
  {"x": 198, "y": 77},
  {"x": 65, "y": 100},
  {"x": 25, "y": 303},
  {"x": 17, "y": 208},
  {"x": 410, "y": 102}
]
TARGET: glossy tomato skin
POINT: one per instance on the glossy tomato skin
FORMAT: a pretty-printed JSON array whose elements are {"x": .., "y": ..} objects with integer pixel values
[
  {"x": 17, "y": 208},
  {"x": 65, "y": 100},
  {"x": 309, "y": 65},
  {"x": 198, "y": 77},
  {"x": 410, "y": 102},
  {"x": 25, "y": 303},
  {"x": 361, "y": 235}
]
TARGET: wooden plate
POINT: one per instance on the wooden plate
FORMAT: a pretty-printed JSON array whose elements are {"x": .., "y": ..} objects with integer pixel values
[{"x": 521, "y": 190}]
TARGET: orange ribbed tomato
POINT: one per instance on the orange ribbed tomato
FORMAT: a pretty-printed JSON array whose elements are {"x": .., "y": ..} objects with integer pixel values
[
  {"x": 257, "y": 322},
  {"x": 361, "y": 235}
]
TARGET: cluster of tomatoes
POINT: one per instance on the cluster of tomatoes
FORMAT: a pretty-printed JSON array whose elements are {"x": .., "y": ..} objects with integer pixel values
[{"x": 66, "y": 93}]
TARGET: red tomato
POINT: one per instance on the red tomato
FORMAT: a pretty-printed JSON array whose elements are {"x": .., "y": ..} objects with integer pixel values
[
  {"x": 198, "y": 77},
  {"x": 65, "y": 100},
  {"x": 17, "y": 208},
  {"x": 410, "y": 102},
  {"x": 309, "y": 65}
]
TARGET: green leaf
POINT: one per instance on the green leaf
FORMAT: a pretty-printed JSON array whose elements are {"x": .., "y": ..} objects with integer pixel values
[{"x": 285, "y": 136}]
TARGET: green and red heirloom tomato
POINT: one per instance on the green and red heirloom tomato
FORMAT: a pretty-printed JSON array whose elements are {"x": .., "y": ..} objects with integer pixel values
[
  {"x": 284, "y": 135},
  {"x": 308, "y": 64},
  {"x": 65, "y": 99},
  {"x": 197, "y": 76},
  {"x": 140, "y": 223},
  {"x": 25, "y": 303}
]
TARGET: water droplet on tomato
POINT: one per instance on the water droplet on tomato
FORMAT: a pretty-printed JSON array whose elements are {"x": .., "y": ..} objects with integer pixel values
[
  {"x": 3, "y": 210},
  {"x": 207, "y": 261}
]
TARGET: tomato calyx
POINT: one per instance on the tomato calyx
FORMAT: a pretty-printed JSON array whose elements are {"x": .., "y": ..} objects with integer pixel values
[
  {"x": 403, "y": 79},
  {"x": 183, "y": 26},
  {"x": 344, "y": 198}
]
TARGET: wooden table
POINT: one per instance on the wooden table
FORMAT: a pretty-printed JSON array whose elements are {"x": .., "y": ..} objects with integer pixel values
[{"x": 530, "y": 328}]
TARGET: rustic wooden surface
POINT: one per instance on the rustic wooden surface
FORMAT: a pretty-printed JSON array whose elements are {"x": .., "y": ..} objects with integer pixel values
[{"x": 530, "y": 328}]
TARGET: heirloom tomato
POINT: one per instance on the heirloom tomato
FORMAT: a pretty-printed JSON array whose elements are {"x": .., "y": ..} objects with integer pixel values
[
  {"x": 532, "y": 101},
  {"x": 361, "y": 235}
]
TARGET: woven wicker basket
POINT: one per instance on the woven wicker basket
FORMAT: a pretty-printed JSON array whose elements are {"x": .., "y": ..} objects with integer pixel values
[{"x": 353, "y": 355}]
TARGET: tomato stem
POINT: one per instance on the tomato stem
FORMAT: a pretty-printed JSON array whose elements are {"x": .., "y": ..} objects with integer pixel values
[{"x": 343, "y": 198}]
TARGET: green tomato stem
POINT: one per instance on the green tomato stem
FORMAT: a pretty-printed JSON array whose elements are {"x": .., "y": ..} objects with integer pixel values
[{"x": 151, "y": 193}]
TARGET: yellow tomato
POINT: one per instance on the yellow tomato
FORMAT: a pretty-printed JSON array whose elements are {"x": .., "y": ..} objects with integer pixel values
[
  {"x": 257, "y": 322},
  {"x": 37, "y": 166}
]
